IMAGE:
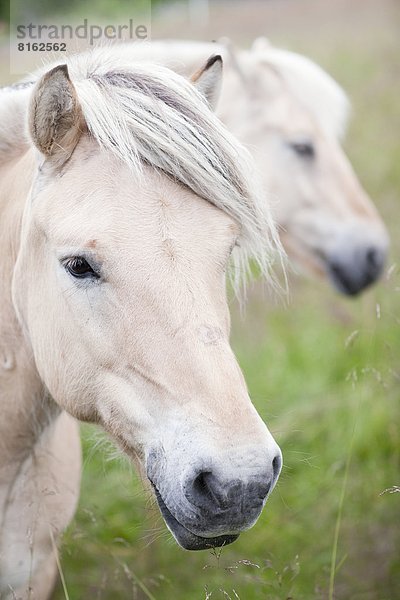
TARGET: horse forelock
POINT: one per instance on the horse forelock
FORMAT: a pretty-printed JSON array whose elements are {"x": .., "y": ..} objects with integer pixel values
[{"x": 146, "y": 114}]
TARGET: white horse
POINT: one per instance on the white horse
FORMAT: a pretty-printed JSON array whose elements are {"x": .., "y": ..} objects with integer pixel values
[
  {"x": 120, "y": 206},
  {"x": 292, "y": 116}
]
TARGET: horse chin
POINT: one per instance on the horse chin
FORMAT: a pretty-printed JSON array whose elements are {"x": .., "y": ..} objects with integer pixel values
[{"x": 185, "y": 538}]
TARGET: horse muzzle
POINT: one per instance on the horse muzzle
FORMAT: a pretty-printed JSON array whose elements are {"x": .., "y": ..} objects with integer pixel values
[
  {"x": 207, "y": 509},
  {"x": 186, "y": 538},
  {"x": 353, "y": 273}
]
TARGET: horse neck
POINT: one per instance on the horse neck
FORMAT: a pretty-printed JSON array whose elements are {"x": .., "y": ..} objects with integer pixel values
[{"x": 22, "y": 411}]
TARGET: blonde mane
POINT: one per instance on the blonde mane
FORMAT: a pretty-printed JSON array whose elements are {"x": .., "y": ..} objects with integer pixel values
[
  {"x": 147, "y": 114},
  {"x": 311, "y": 86}
]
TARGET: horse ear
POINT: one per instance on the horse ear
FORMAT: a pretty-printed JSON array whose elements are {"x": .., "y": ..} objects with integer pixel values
[
  {"x": 208, "y": 79},
  {"x": 55, "y": 116}
]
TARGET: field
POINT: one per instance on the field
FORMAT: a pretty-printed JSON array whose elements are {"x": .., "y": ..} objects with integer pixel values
[{"x": 323, "y": 371}]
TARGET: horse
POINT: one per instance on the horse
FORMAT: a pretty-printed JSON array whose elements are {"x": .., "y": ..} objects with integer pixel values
[
  {"x": 123, "y": 202},
  {"x": 292, "y": 116}
]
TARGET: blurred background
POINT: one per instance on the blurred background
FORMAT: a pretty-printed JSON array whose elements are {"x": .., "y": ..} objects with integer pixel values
[{"x": 322, "y": 370}]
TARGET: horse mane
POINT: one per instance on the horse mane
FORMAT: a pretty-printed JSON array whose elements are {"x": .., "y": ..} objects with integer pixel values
[
  {"x": 311, "y": 86},
  {"x": 146, "y": 114}
]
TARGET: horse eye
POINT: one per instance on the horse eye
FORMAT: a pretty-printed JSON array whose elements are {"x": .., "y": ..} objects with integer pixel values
[
  {"x": 80, "y": 268},
  {"x": 303, "y": 149}
]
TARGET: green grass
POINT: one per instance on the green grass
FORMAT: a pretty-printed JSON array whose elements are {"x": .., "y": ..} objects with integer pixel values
[{"x": 324, "y": 373}]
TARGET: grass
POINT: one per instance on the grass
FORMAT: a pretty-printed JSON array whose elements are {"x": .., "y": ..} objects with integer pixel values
[
  {"x": 324, "y": 373},
  {"x": 334, "y": 566}
]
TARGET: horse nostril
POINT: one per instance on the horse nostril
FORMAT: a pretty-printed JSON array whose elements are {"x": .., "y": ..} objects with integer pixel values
[
  {"x": 200, "y": 486},
  {"x": 206, "y": 491},
  {"x": 371, "y": 256},
  {"x": 373, "y": 260},
  {"x": 276, "y": 466}
]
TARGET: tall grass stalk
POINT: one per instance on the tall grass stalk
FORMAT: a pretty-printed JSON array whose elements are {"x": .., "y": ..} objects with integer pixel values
[
  {"x": 60, "y": 571},
  {"x": 333, "y": 569}
]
